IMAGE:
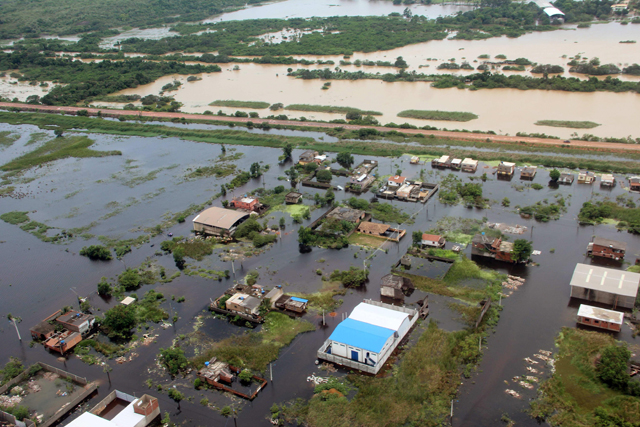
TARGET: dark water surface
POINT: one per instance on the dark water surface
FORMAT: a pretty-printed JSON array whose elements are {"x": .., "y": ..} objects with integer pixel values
[{"x": 122, "y": 198}]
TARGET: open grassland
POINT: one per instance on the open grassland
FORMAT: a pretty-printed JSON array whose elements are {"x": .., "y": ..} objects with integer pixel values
[
  {"x": 575, "y": 396},
  {"x": 56, "y": 149},
  {"x": 331, "y": 109},
  {"x": 256, "y": 350},
  {"x": 455, "y": 116},
  {"x": 7, "y": 138},
  {"x": 567, "y": 124},
  {"x": 240, "y": 104}
]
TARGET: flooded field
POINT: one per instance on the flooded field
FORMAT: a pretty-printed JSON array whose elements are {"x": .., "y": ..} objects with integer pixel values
[{"x": 121, "y": 196}]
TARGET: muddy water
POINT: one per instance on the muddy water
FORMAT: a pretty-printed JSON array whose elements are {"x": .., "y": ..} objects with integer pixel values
[
  {"x": 37, "y": 276},
  {"x": 506, "y": 111}
]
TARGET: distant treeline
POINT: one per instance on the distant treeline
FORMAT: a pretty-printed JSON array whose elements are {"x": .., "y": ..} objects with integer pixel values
[
  {"x": 85, "y": 80},
  {"x": 484, "y": 80},
  {"x": 63, "y": 17}
]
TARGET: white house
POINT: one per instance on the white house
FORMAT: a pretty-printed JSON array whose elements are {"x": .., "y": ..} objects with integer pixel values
[
  {"x": 366, "y": 339},
  {"x": 119, "y": 409},
  {"x": 433, "y": 240},
  {"x": 396, "y": 181}
]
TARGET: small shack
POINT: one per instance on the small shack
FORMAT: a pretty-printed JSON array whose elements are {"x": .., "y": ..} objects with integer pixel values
[
  {"x": 218, "y": 221},
  {"x": 528, "y": 172},
  {"x": 395, "y": 287},
  {"x": 607, "y": 180},
  {"x": 246, "y": 203},
  {"x": 295, "y": 304},
  {"x": 586, "y": 177},
  {"x": 506, "y": 169},
  {"x": 442, "y": 162},
  {"x": 600, "y": 318},
  {"x": 634, "y": 183},
  {"x": 469, "y": 165},
  {"x": 77, "y": 322},
  {"x": 433, "y": 240},
  {"x": 307, "y": 157},
  {"x": 566, "y": 178},
  {"x": 607, "y": 248},
  {"x": 414, "y": 160},
  {"x": 456, "y": 164},
  {"x": 346, "y": 214},
  {"x": 292, "y": 198},
  {"x": 605, "y": 285}
]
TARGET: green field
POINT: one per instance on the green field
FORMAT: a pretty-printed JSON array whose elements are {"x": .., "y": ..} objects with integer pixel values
[
  {"x": 567, "y": 124},
  {"x": 454, "y": 116},
  {"x": 240, "y": 104},
  {"x": 331, "y": 109}
]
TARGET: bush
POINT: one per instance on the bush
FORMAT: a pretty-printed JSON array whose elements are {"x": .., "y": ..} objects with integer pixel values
[
  {"x": 612, "y": 369},
  {"x": 178, "y": 257},
  {"x": 104, "y": 288},
  {"x": 245, "y": 376},
  {"x": 119, "y": 321},
  {"x": 96, "y": 252},
  {"x": 248, "y": 228},
  {"x": 324, "y": 176},
  {"x": 260, "y": 240},
  {"x": 173, "y": 359},
  {"x": 129, "y": 279}
]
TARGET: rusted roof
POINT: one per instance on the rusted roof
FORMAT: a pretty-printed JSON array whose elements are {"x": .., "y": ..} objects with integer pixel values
[
  {"x": 600, "y": 241},
  {"x": 219, "y": 217},
  {"x": 371, "y": 227}
]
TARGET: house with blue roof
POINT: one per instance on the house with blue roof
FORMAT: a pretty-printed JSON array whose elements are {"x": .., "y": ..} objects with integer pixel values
[{"x": 366, "y": 339}]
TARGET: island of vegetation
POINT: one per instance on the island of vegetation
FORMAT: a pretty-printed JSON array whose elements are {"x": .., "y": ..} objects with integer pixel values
[
  {"x": 568, "y": 124},
  {"x": 331, "y": 109},
  {"x": 455, "y": 116}
]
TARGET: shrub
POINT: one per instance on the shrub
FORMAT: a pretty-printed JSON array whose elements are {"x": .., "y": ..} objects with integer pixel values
[
  {"x": 104, "y": 288},
  {"x": 612, "y": 369},
  {"x": 96, "y": 252},
  {"x": 245, "y": 376},
  {"x": 119, "y": 321},
  {"x": 173, "y": 359},
  {"x": 129, "y": 279}
]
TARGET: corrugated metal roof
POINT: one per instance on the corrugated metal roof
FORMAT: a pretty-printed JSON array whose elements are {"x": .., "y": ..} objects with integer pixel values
[
  {"x": 219, "y": 217},
  {"x": 378, "y": 316},
  {"x": 617, "y": 282},
  {"x": 601, "y": 314},
  {"x": 361, "y": 335}
]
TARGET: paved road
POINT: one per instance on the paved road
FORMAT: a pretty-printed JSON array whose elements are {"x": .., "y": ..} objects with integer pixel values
[{"x": 467, "y": 136}]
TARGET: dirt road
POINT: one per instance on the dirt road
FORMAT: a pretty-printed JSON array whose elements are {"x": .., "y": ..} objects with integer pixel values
[{"x": 466, "y": 136}]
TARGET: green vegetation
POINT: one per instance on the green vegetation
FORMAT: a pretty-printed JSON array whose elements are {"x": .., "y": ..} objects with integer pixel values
[
  {"x": 522, "y": 250},
  {"x": 567, "y": 124},
  {"x": 384, "y": 212},
  {"x": 240, "y": 104},
  {"x": 119, "y": 321},
  {"x": 455, "y": 116},
  {"x": 11, "y": 369},
  {"x": 173, "y": 359},
  {"x": 582, "y": 392},
  {"x": 59, "y": 148},
  {"x": 254, "y": 351},
  {"x": 65, "y": 17},
  {"x": 453, "y": 190},
  {"x": 36, "y": 228},
  {"x": 96, "y": 252},
  {"x": 15, "y": 217},
  {"x": 598, "y": 212},
  {"x": 544, "y": 211},
  {"x": 331, "y": 109},
  {"x": 353, "y": 277},
  {"x": 7, "y": 138}
]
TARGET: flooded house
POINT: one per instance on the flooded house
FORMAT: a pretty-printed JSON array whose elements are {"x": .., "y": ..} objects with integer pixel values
[
  {"x": 469, "y": 165},
  {"x": 77, "y": 322},
  {"x": 396, "y": 181},
  {"x": 396, "y": 287},
  {"x": 634, "y": 183},
  {"x": 432, "y": 240},
  {"x": 292, "y": 198},
  {"x": 600, "y": 318},
  {"x": 346, "y": 214},
  {"x": 491, "y": 247},
  {"x": 365, "y": 340},
  {"x": 456, "y": 164},
  {"x": 63, "y": 341},
  {"x": 221, "y": 375},
  {"x": 218, "y": 221},
  {"x": 586, "y": 177},
  {"x": 46, "y": 328},
  {"x": 607, "y": 248},
  {"x": 566, "y": 178},
  {"x": 616, "y": 288},
  {"x": 62, "y": 332},
  {"x": 414, "y": 160},
  {"x": 528, "y": 172},
  {"x": 243, "y": 303},
  {"x": 607, "y": 180},
  {"x": 250, "y": 204},
  {"x": 441, "y": 162},
  {"x": 506, "y": 169},
  {"x": 384, "y": 231},
  {"x": 119, "y": 409},
  {"x": 307, "y": 157},
  {"x": 294, "y": 304}
]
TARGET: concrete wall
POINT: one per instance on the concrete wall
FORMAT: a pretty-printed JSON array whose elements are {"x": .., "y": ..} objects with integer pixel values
[{"x": 602, "y": 297}]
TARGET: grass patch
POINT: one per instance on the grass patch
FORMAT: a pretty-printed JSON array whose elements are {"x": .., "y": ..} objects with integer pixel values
[
  {"x": 455, "y": 116},
  {"x": 15, "y": 217},
  {"x": 366, "y": 240},
  {"x": 256, "y": 350},
  {"x": 331, "y": 109},
  {"x": 291, "y": 209},
  {"x": 219, "y": 171},
  {"x": 574, "y": 396},
  {"x": 567, "y": 124},
  {"x": 240, "y": 104},
  {"x": 56, "y": 149},
  {"x": 7, "y": 138},
  {"x": 36, "y": 137},
  {"x": 323, "y": 299}
]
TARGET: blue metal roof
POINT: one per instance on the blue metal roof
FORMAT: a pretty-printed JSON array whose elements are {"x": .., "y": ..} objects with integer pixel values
[
  {"x": 299, "y": 299},
  {"x": 361, "y": 335}
]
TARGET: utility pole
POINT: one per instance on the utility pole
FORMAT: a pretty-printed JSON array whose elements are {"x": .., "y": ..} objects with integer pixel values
[
  {"x": 16, "y": 326},
  {"x": 323, "y": 322},
  {"x": 271, "y": 371}
]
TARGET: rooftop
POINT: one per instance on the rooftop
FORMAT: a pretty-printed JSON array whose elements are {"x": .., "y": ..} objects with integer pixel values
[
  {"x": 74, "y": 318},
  {"x": 378, "y": 316},
  {"x": 346, "y": 214},
  {"x": 431, "y": 237},
  {"x": 219, "y": 217},
  {"x": 601, "y": 241},
  {"x": 393, "y": 281},
  {"x": 617, "y": 282},
  {"x": 469, "y": 161},
  {"x": 600, "y": 314},
  {"x": 361, "y": 335},
  {"x": 397, "y": 179}
]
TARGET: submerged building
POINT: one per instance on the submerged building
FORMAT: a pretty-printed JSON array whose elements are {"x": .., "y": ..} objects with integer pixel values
[
  {"x": 365, "y": 340},
  {"x": 218, "y": 221},
  {"x": 617, "y": 288}
]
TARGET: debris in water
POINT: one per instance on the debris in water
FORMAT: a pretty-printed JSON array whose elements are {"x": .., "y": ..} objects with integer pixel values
[{"x": 513, "y": 393}]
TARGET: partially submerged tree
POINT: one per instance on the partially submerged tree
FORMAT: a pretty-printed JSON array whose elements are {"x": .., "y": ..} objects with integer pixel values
[{"x": 522, "y": 250}]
